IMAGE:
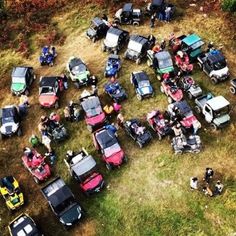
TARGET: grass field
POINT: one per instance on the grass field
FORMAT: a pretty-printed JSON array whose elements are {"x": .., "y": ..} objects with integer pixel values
[{"x": 150, "y": 195}]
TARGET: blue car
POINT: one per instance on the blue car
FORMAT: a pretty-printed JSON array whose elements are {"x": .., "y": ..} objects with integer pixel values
[
  {"x": 142, "y": 85},
  {"x": 47, "y": 56},
  {"x": 115, "y": 91},
  {"x": 113, "y": 66}
]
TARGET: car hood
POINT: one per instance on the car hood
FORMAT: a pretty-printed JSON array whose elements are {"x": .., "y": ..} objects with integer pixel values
[
  {"x": 98, "y": 119},
  {"x": 72, "y": 215},
  {"x": 223, "y": 119},
  {"x": 110, "y": 44},
  {"x": 17, "y": 87},
  {"x": 9, "y": 128},
  {"x": 115, "y": 158},
  {"x": 47, "y": 100},
  {"x": 82, "y": 76},
  {"x": 92, "y": 183}
]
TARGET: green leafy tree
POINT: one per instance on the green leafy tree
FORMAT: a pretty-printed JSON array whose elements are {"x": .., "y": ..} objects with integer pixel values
[{"x": 229, "y": 5}]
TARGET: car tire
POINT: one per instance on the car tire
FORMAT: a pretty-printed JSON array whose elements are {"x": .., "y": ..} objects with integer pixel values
[
  {"x": 19, "y": 132},
  {"x": 198, "y": 109},
  {"x": 232, "y": 90},
  {"x": 51, "y": 64},
  {"x": 213, "y": 127},
  {"x": 108, "y": 166},
  {"x": 56, "y": 105},
  {"x": 138, "y": 61},
  {"x": 214, "y": 80},
  {"x": 199, "y": 65},
  {"x": 190, "y": 96},
  {"x": 135, "y": 23},
  {"x": 36, "y": 180},
  {"x": 162, "y": 89},
  {"x": 139, "y": 97},
  {"x": 170, "y": 100}
]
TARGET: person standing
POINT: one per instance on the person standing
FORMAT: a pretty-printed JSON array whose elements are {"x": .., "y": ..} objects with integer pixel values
[
  {"x": 193, "y": 183},
  {"x": 218, "y": 188},
  {"x": 65, "y": 81},
  {"x": 152, "y": 21},
  {"x": 120, "y": 120},
  {"x": 24, "y": 100},
  {"x": 208, "y": 174},
  {"x": 167, "y": 14}
]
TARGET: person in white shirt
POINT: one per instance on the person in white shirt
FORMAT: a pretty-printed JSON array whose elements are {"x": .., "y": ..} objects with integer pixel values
[{"x": 193, "y": 183}]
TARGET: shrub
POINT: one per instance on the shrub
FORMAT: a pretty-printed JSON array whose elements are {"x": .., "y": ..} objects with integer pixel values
[{"x": 229, "y": 5}]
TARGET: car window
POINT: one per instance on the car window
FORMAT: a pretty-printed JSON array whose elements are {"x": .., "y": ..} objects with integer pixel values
[{"x": 137, "y": 47}]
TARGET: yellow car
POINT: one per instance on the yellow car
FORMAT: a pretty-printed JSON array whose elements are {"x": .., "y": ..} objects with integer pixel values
[{"x": 9, "y": 188}]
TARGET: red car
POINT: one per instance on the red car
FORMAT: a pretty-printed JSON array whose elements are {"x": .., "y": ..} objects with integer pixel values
[
  {"x": 83, "y": 168},
  {"x": 49, "y": 91},
  {"x": 183, "y": 63},
  {"x": 94, "y": 115},
  {"x": 36, "y": 165},
  {"x": 107, "y": 143}
]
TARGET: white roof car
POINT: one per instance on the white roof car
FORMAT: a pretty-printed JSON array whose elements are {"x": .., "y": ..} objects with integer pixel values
[{"x": 218, "y": 102}]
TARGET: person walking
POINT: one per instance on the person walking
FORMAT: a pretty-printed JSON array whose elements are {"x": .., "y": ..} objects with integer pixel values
[
  {"x": 167, "y": 14},
  {"x": 193, "y": 183}
]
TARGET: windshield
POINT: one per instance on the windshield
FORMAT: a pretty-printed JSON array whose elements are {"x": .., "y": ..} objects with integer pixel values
[
  {"x": 112, "y": 38},
  {"x": 78, "y": 69},
  {"x": 8, "y": 116},
  {"x": 94, "y": 111},
  {"x": 94, "y": 27},
  {"x": 18, "y": 80},
  {"x": 197, "y": 45},
  {"x": 47, "y": 90},
  {"x": 137, "y": 47},
  {"x": 144, "y": 83},
  {"x": 165, "y": 63},
  {"x": 221, "y": 112},
  {"x": 219, "y": 65},
  {"x": 64, "y": 205}
]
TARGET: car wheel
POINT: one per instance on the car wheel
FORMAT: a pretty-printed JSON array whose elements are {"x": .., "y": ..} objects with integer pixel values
[
  {"x": 36, "y": 180},
  {"x": 19, "y": 132},
  {"x": 139, "y": 97},
  {"x": 170, "y": 100},
  {"x": 190, "y": 96},
  {"x": 56, "y": 105},
  {"x": 94, "y": 40},
  {"x": 149, "y": 63},
  {"x": 108, "y": 166},
  {"x": 135, "y": 23},
  {"x": 162, "y": 89},
  {"x": 199, "y": 65},
  {"x": 159, "y": 77},
  {"x": 138, "y": 61},
  {"x": 197, "y": 109},
  {"x": 232, "y": 90},
  {"x": 140, "y": 145},
  {"x": 214, "y": 127},
  {"x": 90, "y": 128},
  {"x": 214, "y": 80},
  {"x": 27, "y": 92}
]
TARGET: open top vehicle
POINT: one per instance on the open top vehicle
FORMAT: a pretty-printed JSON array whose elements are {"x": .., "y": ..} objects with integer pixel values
[
  {"x": 214, "y": 109},
  {"x": 113, "y": 66},
  {"x": 190, "y": 87},
  {"x": 115, "y": 91},
  {"x": 49, "y": 91},
  {"x": 22, "y": 78},
  {"x": 23, "y": 225},
  {"x": 83, "y": 168},
  {"x": 97, "y": 29},
  {"x": 183, "y": 112},
  {"x": 10, "y": 191},
  {"x": 94, "y": 115},
  {"x": 47, "y": 56},
  {"x": 183, "y": 63},
  {"x": 62, "y": 202},
  {"x": 115, "y": 40},
  {"x": 128, "y": 15},
  {"x": 79, "y": 72},
  {"x": 142, "y": 85},
  {"x": 161, "y": 62},
  {"x": 233, "y": 86},
  {"x": 10, "y": 121},
  {"x": 112, "y": 154},
  {"x": 137, "y": 132},
  {"x": 182, "y": 144},
  {"x": 138, "y": 47},
  {"x": 36, "y": 165},
  {"x": 159, "y": 124},
  {"x": 214, "y": 65}
]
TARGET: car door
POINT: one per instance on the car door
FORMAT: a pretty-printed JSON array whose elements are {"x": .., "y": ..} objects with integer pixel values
[
  {"x": 208, "y": 114},
  {"x": 207, "y": 67}
]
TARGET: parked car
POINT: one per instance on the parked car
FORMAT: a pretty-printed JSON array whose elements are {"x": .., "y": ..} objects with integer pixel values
[
  {"x": 62, "y": 202},
  {"x": 83, "y": 168},
  {"x": 214, "y": 65},
  {"x": 115, "y": 40},
  {"x": 138, "y": 47},
  {"x": 11, "y": 193},
  {"x": 128, "y": 15},
  {"x": 142, "y": 85},
  {"x": 21, "y": 79},
  {"x": 112, "y": 153},
  {"x": 115, "y": 91},
  {"x": 97, "y": 29},
  {"x": 24, "y": 225},
  {"x": 10, "y": 121},
  {"x": 113, "y": 66}
]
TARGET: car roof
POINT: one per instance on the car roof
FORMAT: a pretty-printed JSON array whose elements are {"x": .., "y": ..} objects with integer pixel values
[
  {"x": 19, "y": 71},
  {"x": 90, "y": 102},
  {"x": 9, "y": 111},
  {"x": 75, "y": 61},
  {"x": 183, "y": 107},
  {"x": 128, "y": 7},
  {"x": 218, "y": 102},
  {"x": 215, "y": 56},
  {"x": 97, "y": 21},
  {"x": 162, "y": 55},
  {"x": 139, "y": 39},
  {"x": 141, "y": 76},
  {"x": 115, "y": 31},
  {"x": 191, "y": 39},
  {"x": 48, "y": 81},
  {"x": 157, "y": 2},
  {"x": 103, "y": 136},
  {"x": 84, "y": 165}
]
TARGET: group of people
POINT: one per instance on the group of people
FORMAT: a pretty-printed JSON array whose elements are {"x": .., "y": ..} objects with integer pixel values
[{"x": 209, "y": 188}]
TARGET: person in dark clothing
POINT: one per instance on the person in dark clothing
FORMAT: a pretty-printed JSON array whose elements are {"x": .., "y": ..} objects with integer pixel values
[
  {"x": 163, "y": 44},
  {"x": 65, "y": 81},
  {"x": 208, "y": 174},
  {"x": 152, "y": 21},
  {"x": 218, "y": 188},
  {"x": 104, "y": 17}
]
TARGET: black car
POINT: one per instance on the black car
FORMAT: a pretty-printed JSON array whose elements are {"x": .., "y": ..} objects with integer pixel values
[
  {"x": 97, "y": 29},
  {"x": 137, "y": 132},
  {"x": 10, "y": 121},
  {"x": 127, "y": 15},
  {"x": 22, "y": 77},
  {"x": 115, "y": 40},
  {"x": 155, "y": 6},
  {"x": 138, "y": 47},
  {"x": 62, "y": 202},
  {"x": 24, "y": 225}
]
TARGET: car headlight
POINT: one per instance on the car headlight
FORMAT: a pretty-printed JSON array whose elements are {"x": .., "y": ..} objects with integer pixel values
[{"x": 69, "y": 224}]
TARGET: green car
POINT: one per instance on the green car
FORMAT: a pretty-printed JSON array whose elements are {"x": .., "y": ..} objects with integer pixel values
[
  {"x": 22, "y": 78},
  {"x": 161, "y": 62}
]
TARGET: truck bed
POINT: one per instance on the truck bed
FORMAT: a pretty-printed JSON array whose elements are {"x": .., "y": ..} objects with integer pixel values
[{"x": 201, "y": 101}]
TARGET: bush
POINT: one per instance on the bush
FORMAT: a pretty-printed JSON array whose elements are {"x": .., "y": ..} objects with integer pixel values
[{"x": 229, "y": 5}]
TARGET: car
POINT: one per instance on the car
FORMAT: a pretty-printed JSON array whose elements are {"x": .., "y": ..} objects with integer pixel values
[
  {"x": 214, "y": 65},
  {"x": 115, "y": 91},
  {"x": 47, "y": 56},
  {"x": 10, "y": 121},
  {"x": 115, "y": 40},
  {"x": 83, "y": 168},
  {"x": 139, "y": 133},
  {"x": 161, "y": 62},
  {"x": 113, "y": 66},
  {"x": 128, "y": 15},
  {"x": 21, "y": 79},
  {"x": 78, "y": 72},
  {"x": 36, "y": 165},
  {"x": 214, "y": 109},
  {"x": 62, "y": 202},
  {"x": 11, "y": 193},
  {"x": 112, "y": 153},
  {"x": 183, "y": 63},
  {"x": 97, "y": 29},
  {"x": 50, "y": 89},
  {"x": 24, "y": 225},
  {"x": 233, "y": 86},
  {"x": 137, "y": 47},
  {"x": 142, "y": 85},
  {"x": 94, "y": 115},
  {"x": 159, "y": 124}
]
